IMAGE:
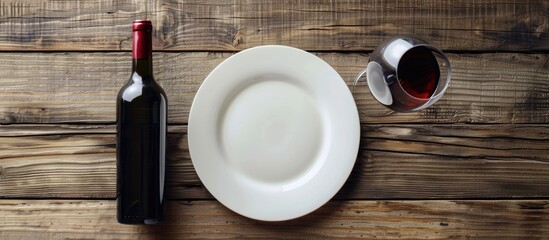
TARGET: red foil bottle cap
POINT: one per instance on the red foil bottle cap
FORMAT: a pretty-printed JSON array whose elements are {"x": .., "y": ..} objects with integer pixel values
[
  {"x": 142, "y": 39},
  {"x": 141, "y": 25}
]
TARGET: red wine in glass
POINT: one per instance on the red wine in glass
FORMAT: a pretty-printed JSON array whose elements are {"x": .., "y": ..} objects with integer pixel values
[
  {"x": 418, "y": 75},
  {"x": 405, "y": 74}
]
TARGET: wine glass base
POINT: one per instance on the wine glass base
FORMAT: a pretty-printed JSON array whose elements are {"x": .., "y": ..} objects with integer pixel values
[{"x": 363, "y": 94}]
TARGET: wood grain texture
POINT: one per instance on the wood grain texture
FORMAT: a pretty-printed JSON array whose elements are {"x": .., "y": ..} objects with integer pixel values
[
  {"x": 95, "y": 219},
  {"x": 82, "y": 87},
  {"x": 394, "y": 162},
  {"x": 473, "y": 166},
  {"x": 349, "y": 25}
]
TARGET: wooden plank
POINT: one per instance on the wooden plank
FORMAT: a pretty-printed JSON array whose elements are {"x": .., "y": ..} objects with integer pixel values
[
  {"x": 456, "y": 161},
  {"x": 95, "y": 219},
  {"x": 394, "y": 162},
  {"x": 493, "y": 25},
  {"x": 82, "y": 87}
]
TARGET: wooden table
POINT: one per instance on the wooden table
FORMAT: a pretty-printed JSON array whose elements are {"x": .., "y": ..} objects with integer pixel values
[{"x": 475, "y": 165}]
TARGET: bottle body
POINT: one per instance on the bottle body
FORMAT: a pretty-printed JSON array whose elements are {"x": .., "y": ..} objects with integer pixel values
[{"x": 141, "y": 143}]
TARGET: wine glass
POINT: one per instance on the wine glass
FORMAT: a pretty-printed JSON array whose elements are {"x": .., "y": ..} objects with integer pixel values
[{"x": 406, "y": 74}]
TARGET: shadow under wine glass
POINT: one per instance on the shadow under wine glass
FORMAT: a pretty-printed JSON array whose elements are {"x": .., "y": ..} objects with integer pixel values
[{"x": 405, "y": 74}]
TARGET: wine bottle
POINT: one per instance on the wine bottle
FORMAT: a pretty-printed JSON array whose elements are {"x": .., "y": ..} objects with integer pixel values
[{"x": 141, "y": 137}]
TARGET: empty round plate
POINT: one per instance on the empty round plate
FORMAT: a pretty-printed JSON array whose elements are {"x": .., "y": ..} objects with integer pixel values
[{"x": 273, "y": 132}]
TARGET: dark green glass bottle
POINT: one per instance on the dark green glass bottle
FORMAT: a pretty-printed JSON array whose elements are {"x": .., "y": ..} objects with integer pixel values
[{"x": 141, "y": 137}]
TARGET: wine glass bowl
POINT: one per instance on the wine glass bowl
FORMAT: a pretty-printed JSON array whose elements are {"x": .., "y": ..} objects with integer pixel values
[{"x": 406, "y": 74}]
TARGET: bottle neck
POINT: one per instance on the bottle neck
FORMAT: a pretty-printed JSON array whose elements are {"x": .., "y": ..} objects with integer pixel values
[
  {"x": 142, "y": 53},
  {"x": 142, "y": 66}
]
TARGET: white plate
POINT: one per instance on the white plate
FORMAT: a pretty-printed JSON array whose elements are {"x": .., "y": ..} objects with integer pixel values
[{"x": 273, "y": 132}]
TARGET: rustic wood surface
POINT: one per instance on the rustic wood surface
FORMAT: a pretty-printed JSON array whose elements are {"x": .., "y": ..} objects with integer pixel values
[
  {"x": 349, "y": 25},
  {"x": 473, "y": 166},
  {"x": 95, "y": 219},
  {"x": 395, "y": 162},
  {"x": 75, "y": 87}
]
